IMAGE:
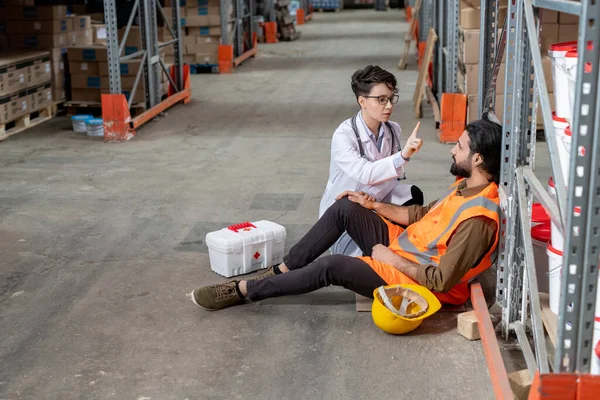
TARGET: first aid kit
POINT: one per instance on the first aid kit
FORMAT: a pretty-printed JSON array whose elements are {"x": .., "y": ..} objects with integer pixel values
[{"x": 246, "y": 247}]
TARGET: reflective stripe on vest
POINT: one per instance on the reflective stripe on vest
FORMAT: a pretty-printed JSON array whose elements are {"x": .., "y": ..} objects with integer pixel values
[{"x": 431, "y": 252}]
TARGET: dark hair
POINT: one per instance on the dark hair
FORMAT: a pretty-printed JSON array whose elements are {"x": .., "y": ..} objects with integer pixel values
[
  {"x": 486, "y": 139},
  {"x": 363, "y": 80}
]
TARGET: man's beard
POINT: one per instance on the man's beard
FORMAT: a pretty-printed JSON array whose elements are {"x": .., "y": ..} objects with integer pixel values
[{"x": 463, "y": 171}]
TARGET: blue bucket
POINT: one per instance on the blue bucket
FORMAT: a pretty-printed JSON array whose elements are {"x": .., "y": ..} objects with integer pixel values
[{"x": 79, "y": 122}]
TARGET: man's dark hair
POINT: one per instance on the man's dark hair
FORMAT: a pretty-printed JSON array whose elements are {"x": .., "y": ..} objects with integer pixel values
[
  {"x": 363, "y": 80},
  {"x": 486, "y": 139}
]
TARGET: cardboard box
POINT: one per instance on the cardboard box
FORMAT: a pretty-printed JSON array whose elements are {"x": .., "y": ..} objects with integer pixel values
[
  {"x": 79, "y": 8},
  {"x": 39, "y": 41},
  {"x": 59, "y": 94},
  {"x": 133, "y": 43},
  {"x": 85, "y": 68},
  {"x": 139, "y": 96},
  {"x": 204, "y": 31},
  {"x": 88, "y": 53},
  {"x": 212, "y": 58},
  {"x": 57, "y": 54},
  {"x": 470, "y": 17},
  {"x": 203, "y": 48},
  {"x": 100, "y": 82},
  {"x": 468, "y": 79},
  {"x": 568, "y": 19},
  {"x": 14, "y": 106},
  {"x": 549, "y": 16},
  {"x": 40, "y": 97},
  {"x": 40, "y": 71},
  {"x": 86, "y": 95},
  {"x": 99, "y": 34},
  {"x": 199, "y": 3},
  {"x": 35, "y": 12},
  {"x": 82, "y": 22},
  {"x": 549, "y": 36},
  {"x": 568, "y": 33},
  {"x": 169, "y": 13},
  {"x": 202, "y": 10},
  {"x": 14, "y": 73},
  {"x": 547, "y": 65},
  {"x": 80, "y": 38},
  {"x": 472, "y": 107},
  {"x": 201, "y": 20},
  {"x": 468, "y": 46},
  {"x": 97, "y": 18},
  {"x": 58, "y": 79},
  {"x": 10, "y": 3},
  {"x": 127, "y": 68},
  {"x": 14, "y": 80},
  {"x": 15, "y": 70},
  {"x": 42, "y": 26},
  {"x": 95, "y": 95}
]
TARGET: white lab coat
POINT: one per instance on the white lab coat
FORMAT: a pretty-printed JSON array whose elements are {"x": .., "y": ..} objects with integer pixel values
[{"x": 375, "y": 174}]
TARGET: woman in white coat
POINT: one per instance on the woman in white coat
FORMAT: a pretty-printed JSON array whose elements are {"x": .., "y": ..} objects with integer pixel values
[{"x": 366, "y": 155}]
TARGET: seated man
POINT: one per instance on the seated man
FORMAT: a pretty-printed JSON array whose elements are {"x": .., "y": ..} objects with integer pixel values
[{"x": 445, "y": 245}]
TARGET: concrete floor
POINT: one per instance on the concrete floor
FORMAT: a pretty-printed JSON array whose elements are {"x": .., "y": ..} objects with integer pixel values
[{"x": 101, "y": 243}]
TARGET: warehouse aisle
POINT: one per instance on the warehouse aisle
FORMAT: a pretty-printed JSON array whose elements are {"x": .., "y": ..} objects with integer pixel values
[{"x": 101, "y": 243}]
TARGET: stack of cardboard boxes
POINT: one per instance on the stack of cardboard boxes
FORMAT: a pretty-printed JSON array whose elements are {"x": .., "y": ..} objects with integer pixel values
[
  {"x": 88, "y": 68},
  {"x": 25, "y": 84},
  {"x": 201, "y": 30},
  {"x": 29, "y": 27},
  {"x": 469, "y": 35}
]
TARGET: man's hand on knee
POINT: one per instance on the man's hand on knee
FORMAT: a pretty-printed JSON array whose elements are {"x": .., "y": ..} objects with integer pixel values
[{"x": 364, "y": 199}]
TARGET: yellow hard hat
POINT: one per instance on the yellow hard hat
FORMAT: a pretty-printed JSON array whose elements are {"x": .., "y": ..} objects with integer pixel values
[{"x": 399, "y": 309}]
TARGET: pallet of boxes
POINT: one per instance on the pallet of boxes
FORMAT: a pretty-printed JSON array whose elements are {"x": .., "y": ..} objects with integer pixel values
[
  {"x": 285, "y": 22},
  {"x": 469, "y": 34},
  {"x": 31, "y": 43},
  {"x": 201, "y": 33},
  {"x": 89, "y": 74}
]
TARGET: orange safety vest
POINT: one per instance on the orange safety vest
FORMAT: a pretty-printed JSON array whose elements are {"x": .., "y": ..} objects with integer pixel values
[{"x": 426, "y": 241}]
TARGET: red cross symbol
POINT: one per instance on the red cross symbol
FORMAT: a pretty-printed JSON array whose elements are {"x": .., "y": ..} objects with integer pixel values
[{"x": 256, "y": 255}]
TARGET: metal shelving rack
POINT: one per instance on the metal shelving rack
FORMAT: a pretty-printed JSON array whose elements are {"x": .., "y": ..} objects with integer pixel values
[
  {"x": 524, "y": 87},
  {"x": 242, "y": 36},
  {"x": 118, "y": 125},
  {"x": 444, "y": 16}
]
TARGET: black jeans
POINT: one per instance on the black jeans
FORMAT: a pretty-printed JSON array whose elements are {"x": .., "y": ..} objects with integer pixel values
[{"x": 307, "y": 273}]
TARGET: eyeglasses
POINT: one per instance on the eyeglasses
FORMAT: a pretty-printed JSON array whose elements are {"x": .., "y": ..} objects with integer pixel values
[{"x": 382, "y": 100}]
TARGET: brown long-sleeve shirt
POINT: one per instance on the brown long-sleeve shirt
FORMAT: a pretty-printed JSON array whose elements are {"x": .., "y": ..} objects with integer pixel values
[{"x": 470, "y": 242}]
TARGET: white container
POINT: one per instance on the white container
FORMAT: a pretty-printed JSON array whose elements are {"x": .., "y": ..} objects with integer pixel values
[
  {"x": 571, "y": 61},
  {"x": 244, "y": 248},
  {"x": 79, "y": 121},
  {"x": 557, "y": 53},
  {"x": 562, "y": 133},
  {"x": 540, "y": 237},
  {"x": 558, "y": 241},
  {"x": 95, "y": 128},
  {"x": 555, "y": 260}
]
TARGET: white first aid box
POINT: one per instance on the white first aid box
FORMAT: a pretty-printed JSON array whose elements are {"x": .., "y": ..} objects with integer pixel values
[{"x": 246, "y": 247}]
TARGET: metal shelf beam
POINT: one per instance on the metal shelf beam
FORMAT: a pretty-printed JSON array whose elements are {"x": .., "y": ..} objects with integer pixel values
[{"x": 566, "y": 6}]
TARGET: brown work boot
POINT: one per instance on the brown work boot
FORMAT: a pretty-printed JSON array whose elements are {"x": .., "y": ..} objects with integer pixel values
[
  {"x": 263, "y": 274},
  {"x": 216, "y": 297}
]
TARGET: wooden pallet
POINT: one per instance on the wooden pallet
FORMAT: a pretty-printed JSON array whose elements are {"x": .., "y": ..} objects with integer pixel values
[
  {"x": 27, "y": 121},
  {"x": 95, "y": 108},
  {"x": 204, "y": 69},
  {"x": 410, "y": 36},
  {"x": 424, "y": 72}
]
